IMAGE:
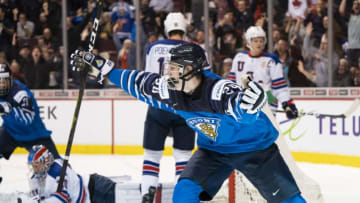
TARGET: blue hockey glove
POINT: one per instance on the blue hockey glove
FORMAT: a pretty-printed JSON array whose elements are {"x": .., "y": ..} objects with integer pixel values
[
  {"x": 80, "y": 59},
  {"x": 5, "y": 108},
  {"x": 254, "y": 98},
  {"x": 290, "y": 109}
]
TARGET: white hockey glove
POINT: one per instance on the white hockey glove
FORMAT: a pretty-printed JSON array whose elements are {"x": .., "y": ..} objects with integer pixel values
[
  {"x": 5, "y": 108},
  {"x": 254, "y": 97},
  {"x": 80, "y": 60}
]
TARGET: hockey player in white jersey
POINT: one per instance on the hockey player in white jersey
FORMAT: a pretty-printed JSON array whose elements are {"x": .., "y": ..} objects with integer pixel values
[
  {"x": 267, "y": 69},
  {"x": 44, "y": 176},
  {"x": 264, "y": 68},
  {"x": 158, "y": 122}
]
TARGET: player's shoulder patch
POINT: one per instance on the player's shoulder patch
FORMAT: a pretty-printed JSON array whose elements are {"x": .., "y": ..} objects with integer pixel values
[
  {"x": 220, "y": 88},
  {"x": 274, "y": 57},
  {"x": 20, "y": 95}
]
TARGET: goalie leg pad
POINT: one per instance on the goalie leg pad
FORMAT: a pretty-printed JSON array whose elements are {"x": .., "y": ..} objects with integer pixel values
[{"x": 188, "y": 187}]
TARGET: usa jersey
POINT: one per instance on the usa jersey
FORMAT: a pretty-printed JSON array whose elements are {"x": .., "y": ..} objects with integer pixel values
[
  {"x": 74, "y": 189},
  {"x": 213, "y": 112},
  {"x": 157, "y": 52},
  {"x": 23, "y": 122},
  {"x": 266, "y": 69}
]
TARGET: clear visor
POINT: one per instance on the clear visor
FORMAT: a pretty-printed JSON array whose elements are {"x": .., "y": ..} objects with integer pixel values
[
  {"x": 173, "y": 71},
  {"x": 5, "y": 85}
]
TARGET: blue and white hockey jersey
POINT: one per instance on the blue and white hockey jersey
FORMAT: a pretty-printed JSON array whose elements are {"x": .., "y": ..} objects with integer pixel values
[
  {"x": 214, "y": 113},
  {"x": 74, "y": 190},
  {"x": 23, "y": 122}
]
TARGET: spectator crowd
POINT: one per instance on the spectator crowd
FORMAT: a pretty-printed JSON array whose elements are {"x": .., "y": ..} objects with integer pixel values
[{"x": 31, "y": 36}]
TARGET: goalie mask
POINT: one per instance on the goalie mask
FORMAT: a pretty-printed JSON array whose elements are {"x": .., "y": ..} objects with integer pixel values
[
  {"x": 180, "y": 57},
  {"x": 40, "y": 160},
  {"x": 5, "y": 80}
]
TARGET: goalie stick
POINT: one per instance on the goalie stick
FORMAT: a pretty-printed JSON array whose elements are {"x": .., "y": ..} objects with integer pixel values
[
  {"x": 83, "y": 75},
  {"x": 346, "y": 114}
]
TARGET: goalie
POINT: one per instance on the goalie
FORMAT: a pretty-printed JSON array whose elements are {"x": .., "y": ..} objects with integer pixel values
[{"x": 45, "y": 172}]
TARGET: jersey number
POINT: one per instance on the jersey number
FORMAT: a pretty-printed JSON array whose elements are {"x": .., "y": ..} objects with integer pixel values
[{"x": 161, "y": 62}]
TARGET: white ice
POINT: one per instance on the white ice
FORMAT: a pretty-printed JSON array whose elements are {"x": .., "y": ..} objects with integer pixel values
[{"x": 339, "y": 184}]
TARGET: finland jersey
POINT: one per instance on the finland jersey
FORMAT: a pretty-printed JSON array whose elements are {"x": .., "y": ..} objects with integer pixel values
[
  {"x": 157, "y": 52},
  {"x": 266, "y": 69},
  {"x": 216, "y": 116},
  {"x": 23, "y": 122},
  {"x": 74, "y": 189}
]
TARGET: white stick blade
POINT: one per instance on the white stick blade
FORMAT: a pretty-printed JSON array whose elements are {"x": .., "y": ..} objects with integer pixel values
[{"x": 352, "y": 108}]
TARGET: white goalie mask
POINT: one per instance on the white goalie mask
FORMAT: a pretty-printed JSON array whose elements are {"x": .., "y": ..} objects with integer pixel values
[
  {"x": 40, "y": 160},
  {"x": 175, "y": 21},
  {"x": 254, "y": 32}
]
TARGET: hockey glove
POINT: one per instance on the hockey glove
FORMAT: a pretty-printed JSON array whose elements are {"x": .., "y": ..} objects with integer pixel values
[
  {"x": 80, "y": 59},
  {"x": 254, "y": 98},
  {"x": 290, "y": 109},
  {"x": 5, "y": 108}
]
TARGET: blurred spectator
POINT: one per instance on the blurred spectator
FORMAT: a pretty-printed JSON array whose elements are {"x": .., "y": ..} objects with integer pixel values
[
  {"x": 15, "y": 71},
  {"x": 122, "y": 28},
  {"x": 162, "y": 5},
  {"x": 6, "y": 30},
  {"x": 152, "y": 37},
  {"x": 342, "y": 76},
  {"x": 276, "y": 35},
  {"x": 357, "y": 78},
  {"x": 225, "y": 36},
  {"x": 105, "y": 26},
  {"x": 353, "y": 49},
  {"x": 297, "y": 75},
  {"x": 243, "y": 15},
  {"x": 50, "y": 39},
  {"x": 41, "y": 24},
  {"x": 316, "y": 18},
  {"x": 123, "y": 55},
  {"x": 297, "y": 8},
  {"x": 295, "y": 28},
  {"x": 120, "y": 3},
  {"x": 37, "y": 71},
  {"x": 3, "y": 59},
  {"x": 74, "y": 31},
  {"x": 316, "y": 58},
  {"x": 282, "y": 50},
  {"x": 147, "y": 17},
  {"x": 200, "y": 38},
  {"x": 225, "y": 67},
  {"x": 24, "y": 28},
  {"x": 338, "y": 35}
]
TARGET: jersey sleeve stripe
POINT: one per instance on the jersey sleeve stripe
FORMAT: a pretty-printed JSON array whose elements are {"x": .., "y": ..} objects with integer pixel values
[
  {"x": 131, "y": 83},
  {"x": 63, "y": 197},
  {"x": 125, "y": 80},
  {"x": 81, "y": 197}
]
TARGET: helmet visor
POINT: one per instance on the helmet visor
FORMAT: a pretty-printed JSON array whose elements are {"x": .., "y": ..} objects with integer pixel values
[{"x": 174, "y": 72}]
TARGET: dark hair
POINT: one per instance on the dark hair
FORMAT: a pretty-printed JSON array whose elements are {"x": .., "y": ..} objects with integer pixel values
[{"x": 176, "y": 32}]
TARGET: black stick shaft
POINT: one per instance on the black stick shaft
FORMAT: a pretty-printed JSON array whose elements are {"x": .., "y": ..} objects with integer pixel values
[{"x": 83, "y": 76}]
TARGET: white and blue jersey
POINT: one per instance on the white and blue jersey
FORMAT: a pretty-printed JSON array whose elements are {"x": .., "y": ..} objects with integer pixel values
[
  {"x": 74, "y": 189},
  {"x": 23, "y": 122},
  {"x": 213, "y": 110},
  {"x": 157, "y": 52},
  {"x": 265, "y": 69}
]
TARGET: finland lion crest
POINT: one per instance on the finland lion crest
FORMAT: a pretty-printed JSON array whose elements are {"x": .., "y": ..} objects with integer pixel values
[{"x": 208, "y": 126}]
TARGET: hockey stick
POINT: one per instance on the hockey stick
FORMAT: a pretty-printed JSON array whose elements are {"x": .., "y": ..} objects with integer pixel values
[
  {"x": 346, "y": 114},
  {"x": 83, "y": 75}
]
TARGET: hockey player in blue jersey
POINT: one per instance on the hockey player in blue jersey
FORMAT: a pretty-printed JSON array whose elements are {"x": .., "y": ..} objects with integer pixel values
[
  {"x": 159, "y": 122},
  {"x": 22, "y": 125},
  {"x": 233, "y": 132}
]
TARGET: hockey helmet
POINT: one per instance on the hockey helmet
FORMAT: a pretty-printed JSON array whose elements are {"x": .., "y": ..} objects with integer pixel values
[
  {"x": 5, "y": 80},
  {"x": 175, "y": 21},
  {"x": 40, "y": 160},
  {"x": 254, "y": 32},
  {"x": 187, "y": 54}
]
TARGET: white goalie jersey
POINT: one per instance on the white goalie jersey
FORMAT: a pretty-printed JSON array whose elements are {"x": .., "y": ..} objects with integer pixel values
[
  {"x": 265, "y": 69},
  {"x": 74, "y": 188}
]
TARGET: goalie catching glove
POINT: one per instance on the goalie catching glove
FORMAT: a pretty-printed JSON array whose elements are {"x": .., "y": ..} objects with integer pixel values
[
  {"x": 254, "y": 97},
  {"x": 80, "y": 60}
]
